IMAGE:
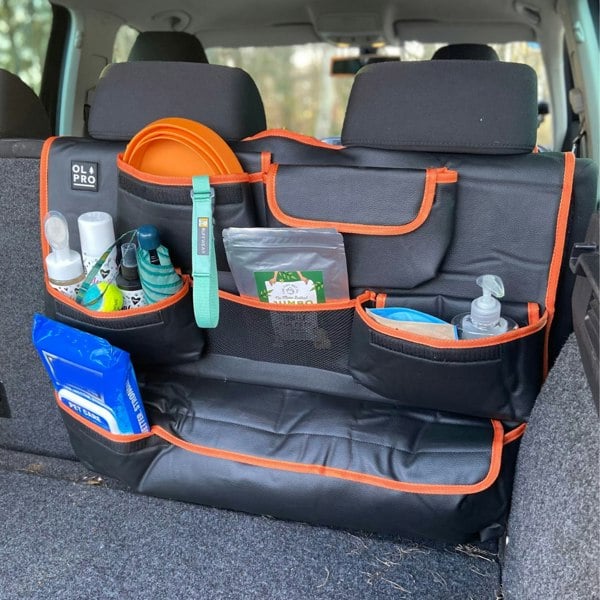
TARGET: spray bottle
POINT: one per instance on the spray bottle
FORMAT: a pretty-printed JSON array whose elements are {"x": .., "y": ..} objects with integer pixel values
[
  {"x": 63, "y": 265},
  {"x": 97, "y": 234},
  {"x": 484, "y": 320},
  {"x": 128, "y": 280}
]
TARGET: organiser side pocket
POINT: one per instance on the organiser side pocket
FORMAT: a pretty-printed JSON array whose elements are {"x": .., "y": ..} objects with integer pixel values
[
  {"x": 159, "y": 334},
  {"x": 307, "y": 335},
  {"x": 495, "y": 380},
  {"x": 169, "y": 208}
]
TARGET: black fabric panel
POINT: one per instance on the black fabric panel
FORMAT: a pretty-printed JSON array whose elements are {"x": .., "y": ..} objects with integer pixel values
[
  {"x": 500, "y": 381},
  {"x": 20, "y": 148},
  {"x": 313, "y": 428},
  {"x": 73, "y": 202},
  {"x": 479, "y": 107},
  {"x": 169, "y": 208},
  {"x": 131, "y": 95},
  {"x": 165, "y": 336},
  {"x": 177, "y": 46},
  {"x": 22, "y": 114}
]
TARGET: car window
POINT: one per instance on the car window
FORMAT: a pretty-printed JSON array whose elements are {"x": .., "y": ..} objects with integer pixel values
[{"x": 24, "y": 33}]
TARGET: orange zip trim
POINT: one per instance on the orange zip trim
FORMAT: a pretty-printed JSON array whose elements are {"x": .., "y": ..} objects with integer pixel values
[
  {"x": 325, "y": 306},
  {"x": 121, "y": 314},
  {"x": 182, "y": 181},
  {"x": 292, "y": 135},
  {"x": 514, "y": 434},
  {"x": 560, "y": 239},
  {"x": 313, "y": 469},
  {"x": 438, "y": 343},
  {"x": 432, "y": 178}
]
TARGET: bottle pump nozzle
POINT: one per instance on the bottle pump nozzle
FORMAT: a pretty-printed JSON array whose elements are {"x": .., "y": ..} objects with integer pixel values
[
  {"x": 56, "y": 230},
  {"x": 485, "y": 310}
]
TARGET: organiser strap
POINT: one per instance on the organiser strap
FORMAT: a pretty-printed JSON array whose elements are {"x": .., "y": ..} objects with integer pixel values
[{"x": 204, "y": 260}]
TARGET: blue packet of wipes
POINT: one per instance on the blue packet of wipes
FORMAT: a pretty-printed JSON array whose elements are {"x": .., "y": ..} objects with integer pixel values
[
  {"x": 414, "y": 321},
  {"x": 90, "y": 376}
]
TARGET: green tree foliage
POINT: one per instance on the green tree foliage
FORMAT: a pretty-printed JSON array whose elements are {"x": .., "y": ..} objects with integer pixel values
[{"x": 24, "y": 31}]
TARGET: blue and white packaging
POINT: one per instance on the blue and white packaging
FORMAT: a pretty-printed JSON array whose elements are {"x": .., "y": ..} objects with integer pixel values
[{"x": 91, "y": 377}]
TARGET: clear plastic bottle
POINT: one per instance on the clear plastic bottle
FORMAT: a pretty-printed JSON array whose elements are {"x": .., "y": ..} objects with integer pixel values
[
  {"x": 484, "y": 320},
  {"x": 63, "y": 265}
]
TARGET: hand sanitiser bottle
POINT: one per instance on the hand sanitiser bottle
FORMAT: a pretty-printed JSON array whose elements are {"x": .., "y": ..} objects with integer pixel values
[
  {"x": 63, "y": 265},
  {"x": 484, "y": 320}
]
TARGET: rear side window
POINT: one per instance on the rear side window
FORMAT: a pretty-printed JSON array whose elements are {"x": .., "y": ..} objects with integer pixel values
[{"x": 24, "y": 33}]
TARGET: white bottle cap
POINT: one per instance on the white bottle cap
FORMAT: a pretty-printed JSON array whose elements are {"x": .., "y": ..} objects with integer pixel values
[
  {"x": 485, "y": 310},
  {"x": 96, "y": 232},
  {"x": 67, "y": 267}
]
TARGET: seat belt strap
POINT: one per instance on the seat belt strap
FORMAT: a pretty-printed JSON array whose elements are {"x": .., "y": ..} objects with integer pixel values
[{"x": 204, "y": 260}]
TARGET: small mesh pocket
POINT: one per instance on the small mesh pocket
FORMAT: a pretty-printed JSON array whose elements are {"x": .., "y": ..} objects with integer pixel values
[{"x": 308, "y": 335}]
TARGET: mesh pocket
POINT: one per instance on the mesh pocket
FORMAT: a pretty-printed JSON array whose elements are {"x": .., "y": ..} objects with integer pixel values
[{"x": 309, "y": 336}]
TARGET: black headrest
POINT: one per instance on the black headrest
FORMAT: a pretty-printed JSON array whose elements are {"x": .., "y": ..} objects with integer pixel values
[
  {"x": 175, "y": 46},
  {"x": 132, "y": 94},
  {"x": 465, "y": 52},
  {"x": 465, "y": 106},
  {"x": 22, "y": 114}
]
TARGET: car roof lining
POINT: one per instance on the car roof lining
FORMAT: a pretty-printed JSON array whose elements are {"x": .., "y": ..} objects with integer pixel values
[{"x": 231, "y": 23}]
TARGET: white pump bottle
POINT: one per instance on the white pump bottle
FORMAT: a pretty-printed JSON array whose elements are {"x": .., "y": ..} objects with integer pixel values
[{"x": 484, "y": 320}]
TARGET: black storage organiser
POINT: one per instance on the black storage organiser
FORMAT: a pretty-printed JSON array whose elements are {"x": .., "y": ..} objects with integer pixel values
[{"x": 370, "y": 436}]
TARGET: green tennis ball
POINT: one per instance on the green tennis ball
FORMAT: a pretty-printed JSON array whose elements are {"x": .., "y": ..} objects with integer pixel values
[{"x": 103, "y": 297}]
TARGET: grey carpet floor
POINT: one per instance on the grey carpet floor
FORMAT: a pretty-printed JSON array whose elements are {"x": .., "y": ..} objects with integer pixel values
[
  {"x": 554, "y": 548},
  {"x": 65, "y": 535}
]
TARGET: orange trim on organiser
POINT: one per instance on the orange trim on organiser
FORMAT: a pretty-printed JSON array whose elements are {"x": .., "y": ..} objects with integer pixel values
[
  {"x": 325, "y": 306},
  {"x": 457, "y": 344},
  {"x": 292, "y": 135},
  {"x": 113, "y": 437},
  {"x": 314, "y": 469},
  {"x": 560, "y": 238},
  {"x": 265, "y": 161},
  {"x": 432, "y": 178},
  {"x": 533, "y": 312},
  {"x": 514, "y": 434},
  {"x": 380, "y": 300},
  {"x": 182, "y": 181},
  {"x": 121, "y": 314},
  {"x": 44, "y": 191}
]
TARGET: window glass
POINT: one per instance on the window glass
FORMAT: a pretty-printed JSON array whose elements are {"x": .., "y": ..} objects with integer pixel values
[
  {"x": 300, "y": 94},
  {"x": 24, "y": 33}
]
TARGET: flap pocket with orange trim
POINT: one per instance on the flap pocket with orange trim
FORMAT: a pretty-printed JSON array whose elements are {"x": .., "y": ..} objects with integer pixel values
[
  {"x": 497, "y": 377},
  {"x": 371, "y": 466},
  {"x": 397, "y": 223}
]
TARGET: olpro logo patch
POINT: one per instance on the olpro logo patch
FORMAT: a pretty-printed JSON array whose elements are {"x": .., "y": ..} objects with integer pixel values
[{"x": 84, "y": 175}]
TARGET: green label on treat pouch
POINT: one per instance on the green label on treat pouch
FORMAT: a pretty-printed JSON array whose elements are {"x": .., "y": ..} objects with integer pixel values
[{"x": 290, "y": 287}]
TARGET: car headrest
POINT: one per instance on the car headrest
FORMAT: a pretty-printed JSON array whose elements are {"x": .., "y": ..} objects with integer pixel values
[
  {"x": 465, "y": 52},
  {"x": 174, "y": 46},
  {"x": 463, "y": 106},
  {"x": 22, "y": 114},
  {"x": 130, "y": 95}
]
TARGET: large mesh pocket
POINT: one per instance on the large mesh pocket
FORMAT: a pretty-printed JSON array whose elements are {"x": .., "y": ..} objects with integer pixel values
[{"x": 305, "y": 335}]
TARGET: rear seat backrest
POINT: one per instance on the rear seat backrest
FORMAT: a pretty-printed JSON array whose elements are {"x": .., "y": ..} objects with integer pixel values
[
  {"x": 479, "y": 117},
  {"x": 22, "y": 114},
  {"x": 465, "y": 52},
  {"x": 131, "y": 95},
  {"x": 173, "y": 46}
]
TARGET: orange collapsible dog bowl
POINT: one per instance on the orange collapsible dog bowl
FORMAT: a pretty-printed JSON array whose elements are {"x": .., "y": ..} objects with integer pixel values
[{"x": 177, "y": 147}]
